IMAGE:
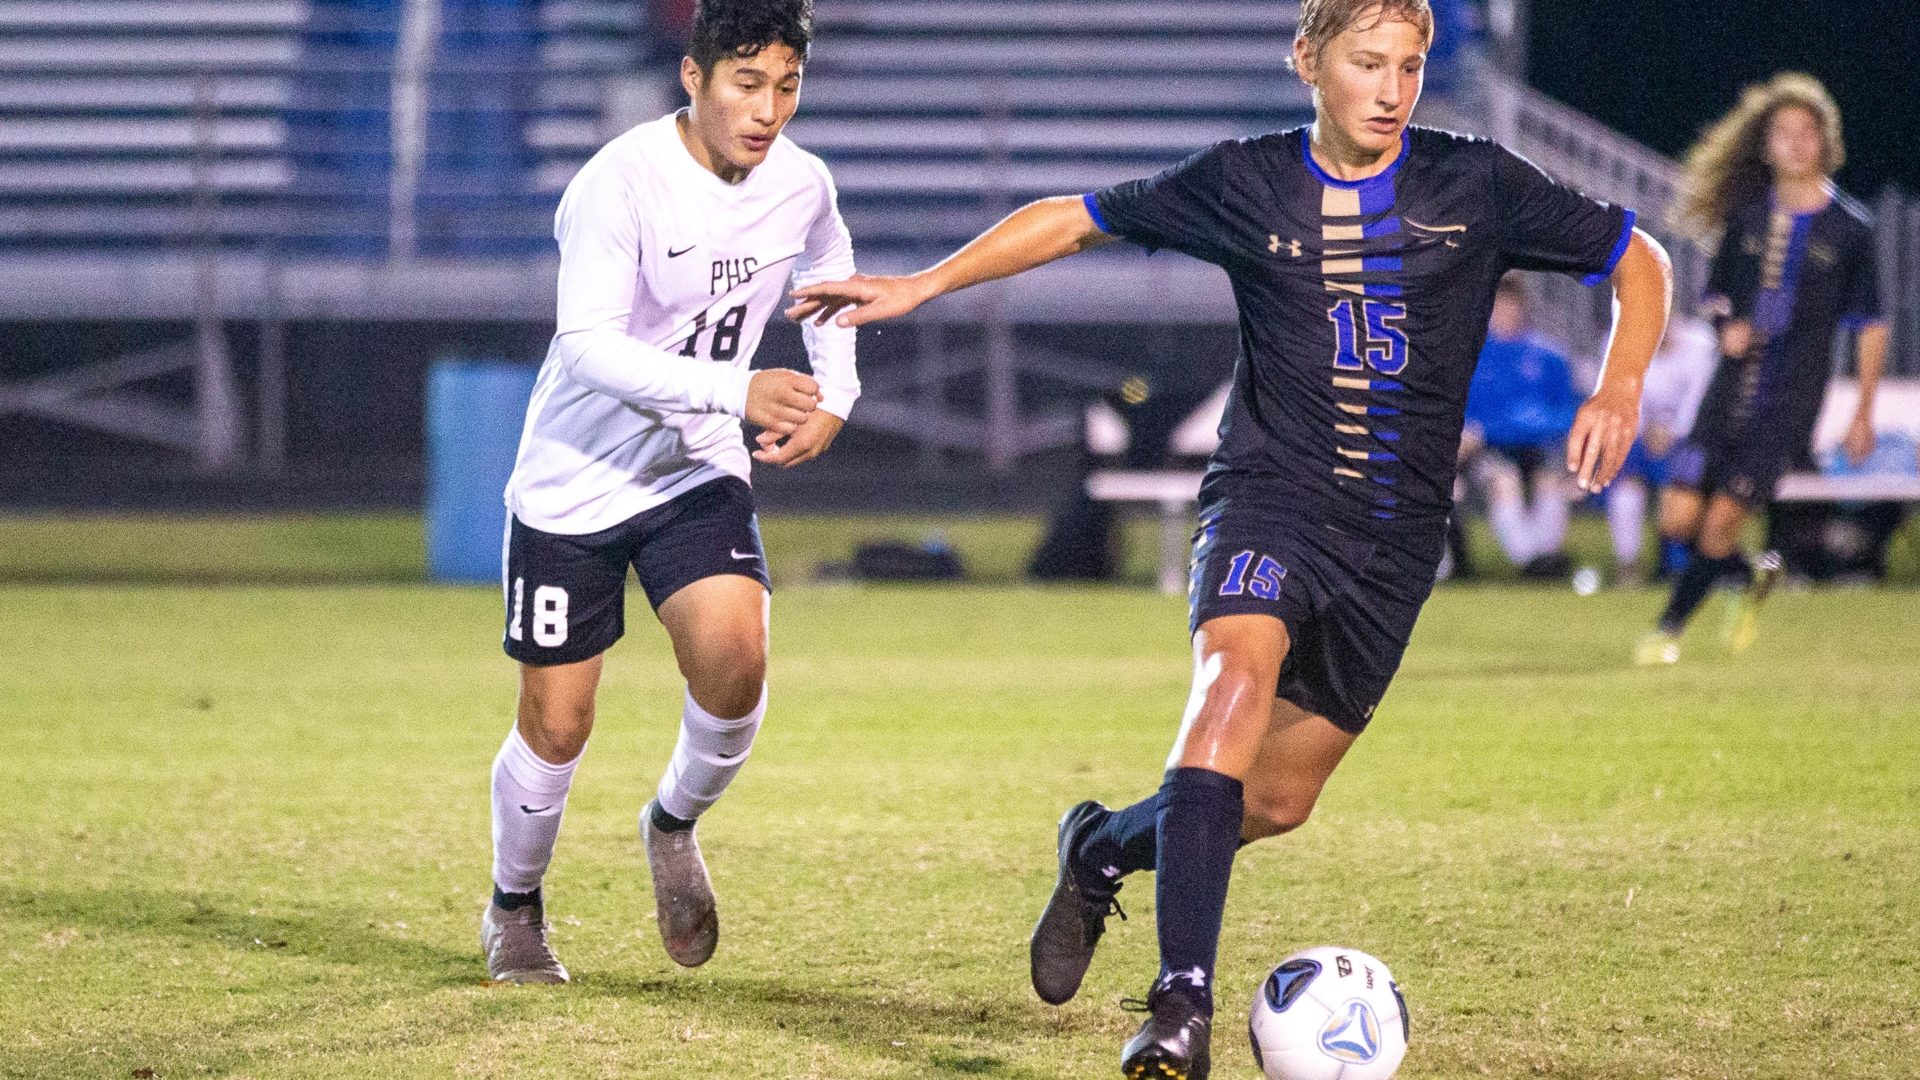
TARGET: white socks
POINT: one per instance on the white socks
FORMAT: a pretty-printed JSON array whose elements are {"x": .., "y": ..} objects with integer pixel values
[
  {"x": 529, "y": 795},
  {"x": 1627, "y": 520},
  {"x": 709, "y": 753},
  {"x": 1527, "y": 530}
]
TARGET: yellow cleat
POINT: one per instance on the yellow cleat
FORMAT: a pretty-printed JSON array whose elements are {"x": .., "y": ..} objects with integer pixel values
[
  {"x": 1743, "y": 615},
  {"x": 1657, "y": 649}
]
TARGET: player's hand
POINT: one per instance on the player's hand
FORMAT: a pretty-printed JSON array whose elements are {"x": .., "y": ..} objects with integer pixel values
[
  {"x": 1859, "y": 441},
  {"x": 780, "y": 400},
  {"x": 1736, "y": 338},
  {"x": 1602, "y": 434},
  {"x": 869, "y": 298},
  {"x": 805, "y": 444}
]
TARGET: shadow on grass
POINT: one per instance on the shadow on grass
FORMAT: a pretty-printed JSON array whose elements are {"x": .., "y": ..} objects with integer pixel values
[
  {"x": 916, "y": 1034},
  {"x": 329, "y": 936},
  {"x": 906, "y": 1028}
]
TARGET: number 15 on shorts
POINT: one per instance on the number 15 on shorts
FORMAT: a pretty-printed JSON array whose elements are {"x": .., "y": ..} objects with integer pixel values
[
  {"x": 549, "y": 615},
  {"x": 1261, "y": 579}
]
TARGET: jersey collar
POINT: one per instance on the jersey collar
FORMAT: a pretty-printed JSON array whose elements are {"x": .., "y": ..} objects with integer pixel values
[{"x": 1384, "y": 177}]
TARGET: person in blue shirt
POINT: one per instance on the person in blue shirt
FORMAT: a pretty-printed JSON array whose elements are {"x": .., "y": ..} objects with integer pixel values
[{"x": 1520, "y": 407}]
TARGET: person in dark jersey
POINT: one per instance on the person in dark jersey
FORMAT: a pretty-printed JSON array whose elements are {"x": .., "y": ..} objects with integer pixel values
[
  {"x": 1363, "y": 254},
  {"x": 1794, "y": 267}
]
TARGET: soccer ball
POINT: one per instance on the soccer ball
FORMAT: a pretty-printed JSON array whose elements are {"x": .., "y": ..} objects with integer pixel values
[{"x": 1329, "y": 1014}]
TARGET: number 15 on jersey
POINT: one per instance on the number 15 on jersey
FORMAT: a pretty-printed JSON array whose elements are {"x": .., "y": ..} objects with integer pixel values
[{"x": 1367, "y": 334}]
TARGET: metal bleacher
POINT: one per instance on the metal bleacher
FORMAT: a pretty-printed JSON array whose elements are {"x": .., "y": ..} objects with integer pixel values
[
  {"x": 126, "y": 124},
  {"x": 277, "y": 161},
  {"x": 115, "y": 116},
  {"x": 939, "y": 115}
]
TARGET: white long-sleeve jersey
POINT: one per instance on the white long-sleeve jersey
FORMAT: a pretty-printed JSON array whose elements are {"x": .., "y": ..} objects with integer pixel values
[{"x": 668, "y": 276}]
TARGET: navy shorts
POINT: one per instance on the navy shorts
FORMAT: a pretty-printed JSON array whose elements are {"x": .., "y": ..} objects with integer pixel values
[
  {"x": 1349, "y": 602},
  {"x": 566, "y": 595},
  {"x": 1747, "y": 469}
]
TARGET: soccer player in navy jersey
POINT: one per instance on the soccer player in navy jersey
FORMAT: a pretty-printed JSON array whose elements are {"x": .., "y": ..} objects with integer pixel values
[
  {"x": 1363, "y": 254},
  {"x": 1795, "y": 266}
]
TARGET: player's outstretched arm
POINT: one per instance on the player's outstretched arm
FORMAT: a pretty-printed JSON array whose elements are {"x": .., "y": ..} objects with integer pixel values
[
  {"x": 1604, "y": 428},
  {"x": 1034, "y": 235}
]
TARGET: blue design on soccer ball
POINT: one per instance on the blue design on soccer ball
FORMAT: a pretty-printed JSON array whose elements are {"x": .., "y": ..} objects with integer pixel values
[
  {"x": 1288, "y": 982},
  {"x": 1352, "y": 1034}
]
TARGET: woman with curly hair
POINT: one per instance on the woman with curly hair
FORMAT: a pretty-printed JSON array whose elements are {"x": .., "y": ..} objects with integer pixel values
[{"x": 1794, "y": 266}]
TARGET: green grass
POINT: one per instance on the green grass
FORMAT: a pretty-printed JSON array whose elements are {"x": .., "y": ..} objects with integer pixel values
[
  {"x": 391, "y": 547},
  {"x": 247, "y": 836}
]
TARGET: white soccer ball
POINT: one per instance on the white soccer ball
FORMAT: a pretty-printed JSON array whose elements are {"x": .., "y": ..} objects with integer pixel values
[{"x": 1329, "y": 1014}]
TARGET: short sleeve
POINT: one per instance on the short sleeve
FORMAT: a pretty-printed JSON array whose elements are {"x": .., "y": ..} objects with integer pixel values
[
  {"x": 1549, "y": 226},
  {"x": 1860, "y": 306},
  {"x": 1183, "y": 208}
]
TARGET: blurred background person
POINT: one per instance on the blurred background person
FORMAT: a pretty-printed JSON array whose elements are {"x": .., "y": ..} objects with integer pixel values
[
  {"x": 1519, "y": 409},
  {"x": 1668, "y": 405},
  {"x": 1795, "y": 266}
]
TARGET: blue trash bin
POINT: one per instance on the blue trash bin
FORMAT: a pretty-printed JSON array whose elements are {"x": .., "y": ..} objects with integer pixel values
[{"x": 475, "y": 409}]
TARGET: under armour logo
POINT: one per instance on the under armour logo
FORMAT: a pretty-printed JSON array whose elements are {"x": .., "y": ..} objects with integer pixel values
[
  {"x": 1196, "y": 976},
  {"x": 1274, "y": 245}
]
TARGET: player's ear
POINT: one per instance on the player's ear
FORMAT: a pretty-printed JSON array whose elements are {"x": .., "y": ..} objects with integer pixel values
[
  {"x": 691, "y": 77},
  {"x": 1305, "y": 61}
]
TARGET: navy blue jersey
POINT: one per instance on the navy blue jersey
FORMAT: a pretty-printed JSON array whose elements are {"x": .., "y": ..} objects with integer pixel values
[
  {"x": 1363, "y": 306},
  {"x": 1800, "y": 278}
]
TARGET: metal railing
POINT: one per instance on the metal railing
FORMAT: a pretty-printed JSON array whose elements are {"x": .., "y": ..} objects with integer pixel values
[{"x": 1592, "y": 157}]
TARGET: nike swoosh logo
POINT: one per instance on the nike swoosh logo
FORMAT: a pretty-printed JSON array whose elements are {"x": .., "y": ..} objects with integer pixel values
[
  {"x": 525, "y": 809},
  {"x": 672, "y": 254},
  {"x": 742, "y": 558}
]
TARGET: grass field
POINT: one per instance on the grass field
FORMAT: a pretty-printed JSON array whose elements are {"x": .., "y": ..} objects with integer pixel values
[{"x": 248, "y": 838}]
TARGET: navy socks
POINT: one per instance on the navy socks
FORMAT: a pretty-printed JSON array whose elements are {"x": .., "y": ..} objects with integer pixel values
[
  {"x": 1200, "y": 812},
  {"x": 1126, "y": 841},
  {"x": 1696, "y": 581}
]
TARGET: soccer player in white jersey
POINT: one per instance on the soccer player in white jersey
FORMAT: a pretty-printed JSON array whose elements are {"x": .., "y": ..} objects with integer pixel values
[{"x": 677, "y": 242}]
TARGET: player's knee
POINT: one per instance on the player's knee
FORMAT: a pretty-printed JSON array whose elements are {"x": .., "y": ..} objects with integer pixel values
[
  {"x": 1273, "y": 816},
  {"x": 727, "y": 673},
  {"x": 1232, "y": 689},
  {"x": 1679, "y": 525},
  {"x": 1716, "y": 540},
  {"x": 557, "y": 725}
]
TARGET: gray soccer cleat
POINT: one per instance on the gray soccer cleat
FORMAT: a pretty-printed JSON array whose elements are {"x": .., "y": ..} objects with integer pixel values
[
  {"x": 1064, "y": 939},
  {"x": 515, "y": 943},
  {"x": 682, "y": 892}
]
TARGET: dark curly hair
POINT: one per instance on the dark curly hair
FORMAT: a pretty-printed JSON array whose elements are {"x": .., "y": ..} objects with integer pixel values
[{"x": 741, "y": 28}]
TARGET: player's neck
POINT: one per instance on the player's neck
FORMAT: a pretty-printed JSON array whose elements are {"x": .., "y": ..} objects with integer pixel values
[
  {"x": 1341, "y": 159},
  {"x": 704, "y": 155},
  {"x": 1802, "y": 196}
]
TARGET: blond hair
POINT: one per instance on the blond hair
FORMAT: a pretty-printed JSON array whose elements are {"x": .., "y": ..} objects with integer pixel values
[
  {"x": 1323, "y": 20},
  {"x": 1728, "y": 167}
]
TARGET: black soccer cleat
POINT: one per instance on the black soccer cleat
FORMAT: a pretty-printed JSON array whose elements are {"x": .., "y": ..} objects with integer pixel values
[
  {"x": 1174, "y": 1044},
  {"x": 1075, "y": 917}
]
